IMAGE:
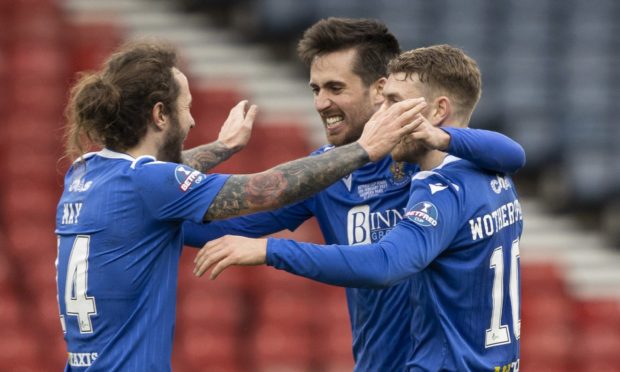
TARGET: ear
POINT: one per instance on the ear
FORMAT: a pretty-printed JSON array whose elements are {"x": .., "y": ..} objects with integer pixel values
[
  {"x": 159, "y": 117},
  {"x": 376, "y": 90},
  {"x": 441, "y": 111}
]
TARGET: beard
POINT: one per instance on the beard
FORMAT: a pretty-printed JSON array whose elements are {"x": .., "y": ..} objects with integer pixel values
[
  {"x": 171, "y": 150},
  {"x": 409, "y": 151}
]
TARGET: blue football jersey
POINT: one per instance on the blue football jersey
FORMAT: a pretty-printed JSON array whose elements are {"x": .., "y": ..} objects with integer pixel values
[
  {"x": 361, "y": 209},
  {"x": 458, "y": 246},
  {"x": 119, "y": 241}
]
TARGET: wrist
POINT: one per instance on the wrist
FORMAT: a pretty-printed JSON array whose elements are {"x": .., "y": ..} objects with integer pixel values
[
  {"x": 444, "y": 140},
  {"x": 228, "y": 147},
  {"x": 363, "y": 151}
]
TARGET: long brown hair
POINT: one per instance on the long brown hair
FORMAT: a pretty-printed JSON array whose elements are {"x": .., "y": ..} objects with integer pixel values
[{"x": 112, "y": 107}]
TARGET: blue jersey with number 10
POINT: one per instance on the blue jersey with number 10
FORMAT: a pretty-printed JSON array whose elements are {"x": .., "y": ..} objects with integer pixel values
[
  {"x": 361, "y": 209},
  {"x": 119, "y": 241},
  {"x": 459, "y": 246}
]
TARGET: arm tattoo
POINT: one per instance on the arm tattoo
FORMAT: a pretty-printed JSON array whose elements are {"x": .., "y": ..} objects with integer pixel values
[
  {"x": 285, "y": 183},
  {"x": 205, "y": 157}
]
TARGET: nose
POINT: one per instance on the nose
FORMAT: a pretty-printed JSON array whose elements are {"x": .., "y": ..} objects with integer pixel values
[
  {"x": 322, "y": 101},
  {"x": 192, "y": 123}
]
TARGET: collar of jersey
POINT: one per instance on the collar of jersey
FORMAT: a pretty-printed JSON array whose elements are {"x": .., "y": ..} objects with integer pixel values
[
  {"x": 109, "y": 154},
  {"x": 447, "y": 160}
]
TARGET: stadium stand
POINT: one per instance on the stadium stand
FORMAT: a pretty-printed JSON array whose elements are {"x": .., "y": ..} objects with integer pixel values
[{"x": 550, "y": 83}]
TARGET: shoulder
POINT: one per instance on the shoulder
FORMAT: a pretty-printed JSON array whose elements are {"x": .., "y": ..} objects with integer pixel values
[
  {"x": 447, "y": 178},
  {"x": 150, "y": 171}
]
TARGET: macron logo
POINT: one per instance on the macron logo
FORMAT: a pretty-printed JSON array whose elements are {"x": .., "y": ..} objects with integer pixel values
[
  {"x": 348, "y": 180},
  {"x": 435, "y": 188}
]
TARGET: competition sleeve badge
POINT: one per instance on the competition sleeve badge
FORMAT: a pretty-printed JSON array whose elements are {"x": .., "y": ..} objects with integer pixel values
[
  {"x": 187, "y": 177},
  {"x": 424, "y": 214}
]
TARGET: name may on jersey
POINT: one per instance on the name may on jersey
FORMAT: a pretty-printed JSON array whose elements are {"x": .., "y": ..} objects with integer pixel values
[{"x": 365, "y": 227}]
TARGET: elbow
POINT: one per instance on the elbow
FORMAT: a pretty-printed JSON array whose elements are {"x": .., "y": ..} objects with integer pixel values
[
  {"x": 518, "y": 162},
  {"x": 379, "y": 281}
]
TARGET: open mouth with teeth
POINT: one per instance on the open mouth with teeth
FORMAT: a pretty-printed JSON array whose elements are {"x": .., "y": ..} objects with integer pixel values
[{"x": 332, "y": 122}]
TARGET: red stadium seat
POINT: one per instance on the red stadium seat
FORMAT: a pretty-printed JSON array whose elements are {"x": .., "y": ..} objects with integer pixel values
[
  {"x": 334, "y": 346},
  {"x": 215, "y": 310},
  {"x": 278, "y": 348},
  {"x": 19, "y": 346},
  {"x": 91, "y": 43},
  {"x": 546, "y": 310},
  {"x": 210, "y": 108},
  {"x": 598, "y": 313},
  {"x": 599, "y": 343},
  {"x": 10, "y": 311},
  {"x": 35, "y": 59},
  {"x": 35, "y": 23},
  {"x": 541, "y": 277},
  {"x": 287, "y": 308},
  {"x": 42, "y": 99},
  {"x": 206, "y": 349},
  {"x": 544, "y": 346}
]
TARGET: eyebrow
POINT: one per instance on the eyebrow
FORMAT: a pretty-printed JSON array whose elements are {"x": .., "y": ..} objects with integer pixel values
[
  {"x": 394, "y": 96},
  {"x": 327, "y": 83}
]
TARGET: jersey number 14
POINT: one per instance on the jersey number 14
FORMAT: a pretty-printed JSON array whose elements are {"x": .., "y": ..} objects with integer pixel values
[{"x": 77, "y": 302}]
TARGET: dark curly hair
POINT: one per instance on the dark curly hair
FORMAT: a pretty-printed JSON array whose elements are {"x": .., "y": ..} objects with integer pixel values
[
  {"x": 374, "y": 43},
  {"x": 112, "y": 107}
]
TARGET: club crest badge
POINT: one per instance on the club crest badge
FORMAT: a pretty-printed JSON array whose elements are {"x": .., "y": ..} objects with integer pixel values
[{"x": 399, "y": 175}]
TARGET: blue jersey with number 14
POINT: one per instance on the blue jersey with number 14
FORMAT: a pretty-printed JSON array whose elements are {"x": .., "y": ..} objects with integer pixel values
[
  {"x": 459, "y": 246},
  {"x": 119, "y": 241}
]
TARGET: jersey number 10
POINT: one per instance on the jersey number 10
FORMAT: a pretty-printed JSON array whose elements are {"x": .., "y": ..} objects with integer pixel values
[{"x": 498, "y": 334}]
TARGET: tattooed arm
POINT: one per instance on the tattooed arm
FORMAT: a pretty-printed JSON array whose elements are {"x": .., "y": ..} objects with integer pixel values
[
  {"x": 296, "y": 180},
  {"x": 205, "y": 157},
  {"x": 233, "y": 136}
]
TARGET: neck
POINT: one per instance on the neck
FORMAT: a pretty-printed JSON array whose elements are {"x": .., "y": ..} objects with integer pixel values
[
  {"x": 431, "y": 160},
  {"x": 146, "y": 147}
]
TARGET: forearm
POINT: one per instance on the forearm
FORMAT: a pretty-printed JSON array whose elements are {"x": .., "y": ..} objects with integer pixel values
[
  {"x": 251, "y": 226},
  {"x": 487, "y": 149},
  {"x": 206, "y": 157},
  {"x": 367, "y": 266},
  {"x": 286, "y": 183}
]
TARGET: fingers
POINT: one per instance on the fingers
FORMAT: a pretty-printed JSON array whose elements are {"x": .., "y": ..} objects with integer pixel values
[
  {"x": 221, "y": 266},
  {"x": 239, "y": 109},
  {"x": 206, "y": 248},
  {"x": 241, "y": 105},
  {"x": 211, "y": 253},
  {"x": 407, "y": 105},
  {"x": 410, "y": 115},
  {"x": 251, "y": 115},
  {"x": 209, "y": 260},
  {"x": 411, "y": 127}
]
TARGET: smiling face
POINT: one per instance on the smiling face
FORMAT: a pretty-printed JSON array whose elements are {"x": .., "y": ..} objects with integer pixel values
[
  {"x": 181, "y": 121},
  {"x": 344, "y": 102}
]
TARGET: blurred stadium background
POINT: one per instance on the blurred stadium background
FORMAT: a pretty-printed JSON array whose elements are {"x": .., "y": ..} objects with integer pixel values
[{"x": 550, "y": 81}]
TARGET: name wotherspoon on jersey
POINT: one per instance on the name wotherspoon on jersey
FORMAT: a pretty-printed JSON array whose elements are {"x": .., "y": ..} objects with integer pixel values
[
  {"x": 504, "y": 216},
  {"x": 491, "y": 223}
]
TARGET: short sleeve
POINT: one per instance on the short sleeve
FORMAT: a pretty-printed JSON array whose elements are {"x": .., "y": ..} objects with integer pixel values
[{"x": 173, "y": 191}]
